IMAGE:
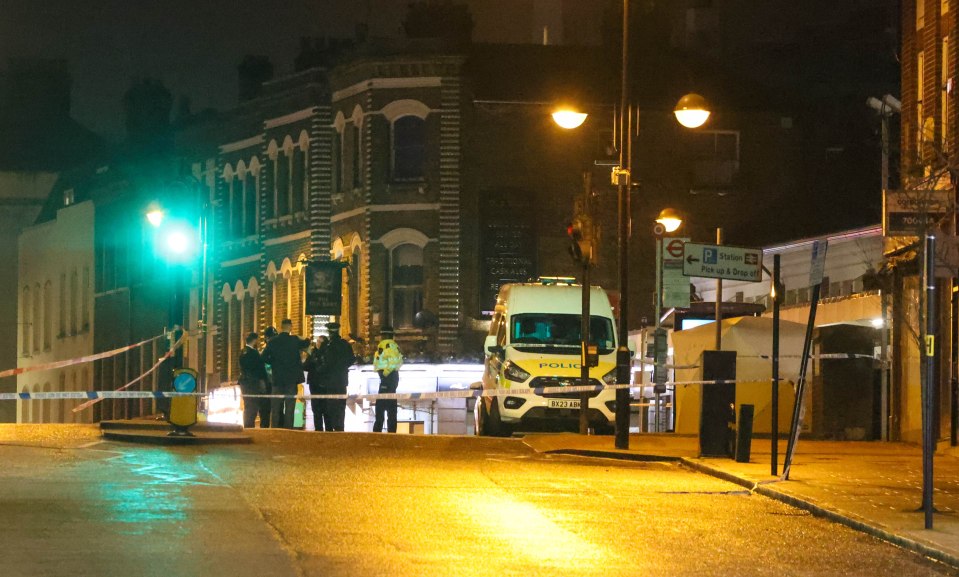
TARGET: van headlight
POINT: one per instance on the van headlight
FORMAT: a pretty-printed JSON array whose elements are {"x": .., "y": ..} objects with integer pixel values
[
  {"x": 610, "y": 377},
  {"x": 513, "y": 372}
]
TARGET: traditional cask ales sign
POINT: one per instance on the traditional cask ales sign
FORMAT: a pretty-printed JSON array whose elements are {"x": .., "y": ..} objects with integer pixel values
[{"x": 324, "y": 288}]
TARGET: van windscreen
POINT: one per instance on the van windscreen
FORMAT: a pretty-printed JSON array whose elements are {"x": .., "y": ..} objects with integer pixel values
[{"x": 559, "y": 331}]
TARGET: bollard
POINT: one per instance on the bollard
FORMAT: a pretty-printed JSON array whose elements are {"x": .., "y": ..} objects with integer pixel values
[{"x": 744, "y": 433}]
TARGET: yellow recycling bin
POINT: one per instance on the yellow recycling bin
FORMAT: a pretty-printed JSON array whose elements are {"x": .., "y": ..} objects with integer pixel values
[{"x": 183, "y": 409}]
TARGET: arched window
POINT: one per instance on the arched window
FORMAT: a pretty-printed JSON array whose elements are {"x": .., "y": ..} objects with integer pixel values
[
  {"x": 300, "y": 170},
  {"x": 337, "y": 161},
  {"x": 354, "y": 291},
  {"x": 282, "y": 183},
  {"x": 48, "y": 314},
  {"x": 357, "y": 150},
  {"x": 269, "y": 209},
  {"x": 37, "y": 317},
  {"x": 26, "y": 322},
  {"x": 26, "y": 407},
  {"x": 42, "y": 405},
  {"x": 406, "y": 284},
  {"x": 408, "y": 148},
  {"x": 250, "y": 195},
  {"x": 236, "y": 335},
  {"x": 74, "y": 301},
  {"x": 235, "y": 192}
]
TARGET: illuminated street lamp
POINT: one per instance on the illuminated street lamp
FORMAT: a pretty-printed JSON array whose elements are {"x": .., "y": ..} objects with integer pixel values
[
  {"x": 569, "y": 119},
  {"x": 691, "y": 111},
  {"x": 155, "y": 217},
  {"x": 670, "y": 219}
]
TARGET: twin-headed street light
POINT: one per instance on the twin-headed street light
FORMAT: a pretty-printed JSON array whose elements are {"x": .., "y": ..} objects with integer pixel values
[{"x": 692, "y": 112}]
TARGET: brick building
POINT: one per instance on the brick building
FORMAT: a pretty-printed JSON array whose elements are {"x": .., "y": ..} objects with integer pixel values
[{"x": 435, "y": 175}]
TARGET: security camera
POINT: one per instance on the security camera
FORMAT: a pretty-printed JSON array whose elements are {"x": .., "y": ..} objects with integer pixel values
[{"x": 888, "y": 105}]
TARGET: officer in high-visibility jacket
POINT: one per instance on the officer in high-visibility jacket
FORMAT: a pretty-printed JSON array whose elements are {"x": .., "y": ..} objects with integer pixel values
[{"x": 387, "y": 362}]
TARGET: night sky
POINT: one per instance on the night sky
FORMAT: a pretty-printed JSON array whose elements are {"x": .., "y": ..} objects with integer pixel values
[{"x": 194, "y": 46}]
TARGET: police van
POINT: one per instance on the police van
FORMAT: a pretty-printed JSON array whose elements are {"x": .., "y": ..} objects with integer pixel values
[{"x": 534, "y": 341}]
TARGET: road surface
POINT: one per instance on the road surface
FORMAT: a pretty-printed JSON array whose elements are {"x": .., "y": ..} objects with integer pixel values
[{"x": 335, "y": 504}]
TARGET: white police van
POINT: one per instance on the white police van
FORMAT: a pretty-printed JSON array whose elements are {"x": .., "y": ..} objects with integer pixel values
[{"x": 534, "y": 341}]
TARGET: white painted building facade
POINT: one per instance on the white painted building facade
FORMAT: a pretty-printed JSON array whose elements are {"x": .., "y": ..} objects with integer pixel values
[{"x": 55, "y": 310}]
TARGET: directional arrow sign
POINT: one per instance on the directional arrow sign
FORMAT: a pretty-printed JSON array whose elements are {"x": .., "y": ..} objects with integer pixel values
[{"x": 725, "y": 262}]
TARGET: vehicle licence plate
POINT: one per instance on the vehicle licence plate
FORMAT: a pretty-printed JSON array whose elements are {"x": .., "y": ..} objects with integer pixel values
[{"x": 563, "y": 404}]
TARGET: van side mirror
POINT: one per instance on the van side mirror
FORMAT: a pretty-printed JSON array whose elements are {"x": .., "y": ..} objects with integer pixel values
[{"x": 491, "y": 346}]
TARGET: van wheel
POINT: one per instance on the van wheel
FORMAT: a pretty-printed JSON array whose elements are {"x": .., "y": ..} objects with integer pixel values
[{"x": 494, "y": 425}]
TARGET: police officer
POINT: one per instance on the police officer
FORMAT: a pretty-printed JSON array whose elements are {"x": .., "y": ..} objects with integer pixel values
[
  {"x": 253, "y": 381},
  {"x": 387, "y": 362},
  {"x": 283, "y": 355},
  {"x": 338, "y": 359},
  {"x": 315, "y": 367}
]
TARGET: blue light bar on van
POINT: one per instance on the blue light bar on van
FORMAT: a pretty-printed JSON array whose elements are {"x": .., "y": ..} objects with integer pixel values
[{"x": 557, "y": 280}]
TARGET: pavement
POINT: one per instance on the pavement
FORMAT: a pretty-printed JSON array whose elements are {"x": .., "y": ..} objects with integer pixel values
[
  {"x": 873, "y": 487},
  {"x": 154, "y": 432}
]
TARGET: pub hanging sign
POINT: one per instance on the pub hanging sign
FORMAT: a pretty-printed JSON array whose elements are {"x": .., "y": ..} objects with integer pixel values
[{"x": 324, "y": 291}]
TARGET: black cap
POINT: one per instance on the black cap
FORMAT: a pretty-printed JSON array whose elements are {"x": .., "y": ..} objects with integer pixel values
[
  {"x": 387, "y": 331},
  {"x": 270, "y": 332},
  {"x": 334, "y": 326}
]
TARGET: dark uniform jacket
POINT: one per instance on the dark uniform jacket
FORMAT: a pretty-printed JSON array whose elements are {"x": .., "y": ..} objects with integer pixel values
[
  {"x": 338, "y": 357},
  {"x": 253, "y": 377},
  {"x": 282, "y": 353},
  {"x": 315, "y": 367}
]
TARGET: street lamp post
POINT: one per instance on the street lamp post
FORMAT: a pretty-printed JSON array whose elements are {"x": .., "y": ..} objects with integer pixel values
[
  {"x": 691, "y": 111},
  {"x": 181, "y": 238},
  {"x": 668, "y": 222}
]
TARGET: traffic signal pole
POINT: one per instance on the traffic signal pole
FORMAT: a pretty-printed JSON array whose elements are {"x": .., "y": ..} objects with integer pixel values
[
  {"x": 624, "y": 369},
  {"x": 587, "y": 260}
]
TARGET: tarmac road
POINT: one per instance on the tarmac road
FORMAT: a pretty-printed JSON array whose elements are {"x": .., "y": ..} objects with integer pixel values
[{"x": 335, "y": 504}]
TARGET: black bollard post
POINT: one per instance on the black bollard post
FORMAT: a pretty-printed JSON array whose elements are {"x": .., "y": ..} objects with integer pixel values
[{"x": 744, "y": 433}]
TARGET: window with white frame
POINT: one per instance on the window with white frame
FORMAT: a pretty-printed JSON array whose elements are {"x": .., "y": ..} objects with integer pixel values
[
  {"x": 337, "y": 161},
  {"x": 48, "y": 315},
  {"x": 354, "y": 291},
  {"x": 26, "y": 322},
  {"x": 300, "y": 180},
  {"x": 408, "y": 142},
  {"x": 62, "y": 312},
  {"x": 250, "y": 196},
  {"x": 282, "y": 164},
  {"x": 356, "y": 149},
  {"x": 74, "y": 301},
  {"x": 406, "y": 284},
  {"x": 85, "y": 299}
]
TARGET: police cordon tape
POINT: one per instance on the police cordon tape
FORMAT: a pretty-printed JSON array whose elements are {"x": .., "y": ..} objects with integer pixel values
[
  {"x": 76, "y": 361},
  {"x": 453, "y": 394},
  {"x": 149, "y": 371}
]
